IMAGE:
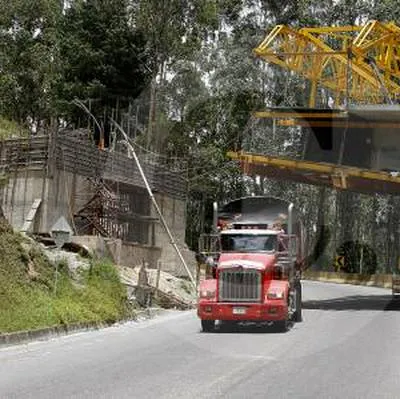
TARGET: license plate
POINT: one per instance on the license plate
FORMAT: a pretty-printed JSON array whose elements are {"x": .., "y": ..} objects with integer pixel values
[{"x": 239, "y": 310}]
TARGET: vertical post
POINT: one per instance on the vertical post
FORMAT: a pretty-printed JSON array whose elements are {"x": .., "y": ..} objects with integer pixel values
[
  {"x": 150, "y": 124},
  {"x": 159, "y": 264},
  {"x": 362, "y": 253},
  {"x": 337, "y": 99},
  {"x": 103, "y": 126},
  {"x": 313, "y": 93},
  {"x": 198, "y": 271},
  {"x": 273, "y": 130},
  {"x": 88, "y": 125},
  {"x": 202, "y": 214},
  {"x": 347, "y": 101},
  {"x": 136, "y": 121},
  {"x": 153, "y": 234},
  {"x": 290, "y": 229},
  {"x": 118, "y": 250},
  {"x": 56, "y": 279}
]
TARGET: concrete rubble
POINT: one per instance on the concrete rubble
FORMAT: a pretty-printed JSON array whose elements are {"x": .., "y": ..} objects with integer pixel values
[
  {"x": 172, "y": 291},
  {"x": 74, "y": 260},
  {"x": 141, "y": 282}
]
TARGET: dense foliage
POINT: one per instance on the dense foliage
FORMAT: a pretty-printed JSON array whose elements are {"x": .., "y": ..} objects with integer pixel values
[{"x": 182, "y": 77}]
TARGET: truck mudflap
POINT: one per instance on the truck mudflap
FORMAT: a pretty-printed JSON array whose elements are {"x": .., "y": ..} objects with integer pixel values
[{"x": 269, "y": 311}]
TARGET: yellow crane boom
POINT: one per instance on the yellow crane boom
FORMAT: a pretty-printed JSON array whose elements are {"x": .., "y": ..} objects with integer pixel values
[
  {"x": 345, "y": 60},
  {"x": 349, "y": 149}
]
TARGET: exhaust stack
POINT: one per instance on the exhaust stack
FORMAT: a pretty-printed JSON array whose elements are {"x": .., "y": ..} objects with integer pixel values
[
  {"x": 290, "y": 219},
  {"x": 215, "y": 217}
]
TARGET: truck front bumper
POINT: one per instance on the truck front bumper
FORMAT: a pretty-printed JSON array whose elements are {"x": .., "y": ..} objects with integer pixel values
[{"x": 270, "y": 311}]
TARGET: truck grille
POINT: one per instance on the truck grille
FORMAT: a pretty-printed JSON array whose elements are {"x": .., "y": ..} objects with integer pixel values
[{"x": 239, "y": 286}]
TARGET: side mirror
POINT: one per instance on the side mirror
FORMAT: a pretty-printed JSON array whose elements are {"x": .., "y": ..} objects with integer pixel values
[{"x": 210, "y": 261}]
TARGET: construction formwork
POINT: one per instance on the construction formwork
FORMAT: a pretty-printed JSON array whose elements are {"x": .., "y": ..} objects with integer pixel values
[{"x": 99, "y": 191}]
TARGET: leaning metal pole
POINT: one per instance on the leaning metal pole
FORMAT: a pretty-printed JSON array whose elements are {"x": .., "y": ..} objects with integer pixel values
[
  {"x": 81, "y": 105},
  {"x": 149, "y": 190}
]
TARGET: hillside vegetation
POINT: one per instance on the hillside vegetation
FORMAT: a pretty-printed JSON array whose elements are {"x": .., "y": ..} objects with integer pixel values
[
  {"x": 29, "y": 300},
  {"x": 9, "y": 129}
]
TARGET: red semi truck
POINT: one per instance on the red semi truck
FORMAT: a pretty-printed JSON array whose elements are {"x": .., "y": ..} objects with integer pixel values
[{"x": 255, "y": 255}]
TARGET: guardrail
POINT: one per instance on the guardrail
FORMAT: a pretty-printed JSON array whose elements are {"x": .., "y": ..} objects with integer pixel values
[{"x": 375, "y": 280}]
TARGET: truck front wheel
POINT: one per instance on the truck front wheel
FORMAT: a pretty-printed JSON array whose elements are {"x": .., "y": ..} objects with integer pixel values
[
  {"x": 207, "y": 325},
  {"x": 281, "y": 326},
  {"x": 298, "y": 317}
]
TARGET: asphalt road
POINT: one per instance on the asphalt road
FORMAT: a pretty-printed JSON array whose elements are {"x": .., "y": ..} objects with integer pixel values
[{"x": 347, "y": 347}]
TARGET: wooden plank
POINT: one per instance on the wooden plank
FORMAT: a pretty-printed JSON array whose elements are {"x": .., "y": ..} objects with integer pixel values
[{"x": 31, "y": 215}]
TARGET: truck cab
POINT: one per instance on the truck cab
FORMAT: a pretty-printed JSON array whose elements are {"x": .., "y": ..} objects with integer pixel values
[{"x": 254, "y": 274}]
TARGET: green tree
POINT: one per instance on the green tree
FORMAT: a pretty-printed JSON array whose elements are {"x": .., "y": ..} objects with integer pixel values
[
  {"x": 103, "y": 53},
  {"x": 28, "y": 60},
  {"x": 189, "y": 24}
]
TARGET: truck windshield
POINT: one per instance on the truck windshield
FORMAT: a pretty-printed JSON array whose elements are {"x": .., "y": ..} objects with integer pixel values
[{"x": 248, "y": 242}]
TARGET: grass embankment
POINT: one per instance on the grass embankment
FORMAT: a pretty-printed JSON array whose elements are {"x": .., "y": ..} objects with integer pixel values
[{"x": 28, "y": 299}]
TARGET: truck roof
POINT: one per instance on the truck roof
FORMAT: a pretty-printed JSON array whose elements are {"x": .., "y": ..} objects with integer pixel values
[
  {"x": 257, "y": 210},
  {"x": 250, "y": 231}
]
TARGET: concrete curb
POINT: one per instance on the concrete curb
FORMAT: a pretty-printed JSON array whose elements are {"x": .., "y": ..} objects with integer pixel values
[
  {"x": 377, "y": 280},
  {"x": 43, "y": 334}
]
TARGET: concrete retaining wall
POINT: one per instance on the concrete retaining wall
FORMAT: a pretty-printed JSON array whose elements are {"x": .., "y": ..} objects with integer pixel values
[
  {"x": 376, "y": 280},
  {"x": 174, "y": 212},
  {"x": 124, "y": 254},
  {"x": 64, "y": 193},
  {"x": 132, "y": 255}
]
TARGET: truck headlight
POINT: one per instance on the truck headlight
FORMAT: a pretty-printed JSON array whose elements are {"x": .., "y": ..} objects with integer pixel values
[
  {"x": 275, "y": 294},
  {"x": 206, "y": 294}
]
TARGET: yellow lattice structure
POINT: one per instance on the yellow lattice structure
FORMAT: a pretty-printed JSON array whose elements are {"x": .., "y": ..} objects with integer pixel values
[
  {"x": 357, "y": 66},
  {"x": 361, "y": 63}
]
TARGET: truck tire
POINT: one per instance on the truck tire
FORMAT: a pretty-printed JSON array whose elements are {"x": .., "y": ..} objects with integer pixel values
[
  {"x": 298, "y": 317},
  {"x": 207, "y": 325},
  {"x": 281, "y": 326}
]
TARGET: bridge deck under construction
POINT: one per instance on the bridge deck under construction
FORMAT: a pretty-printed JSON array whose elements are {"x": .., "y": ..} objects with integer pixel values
[
  {"x": 357, "y": 149},
  {"x": 352, "y": 147},
  {"x": 322, "y": 174}
]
